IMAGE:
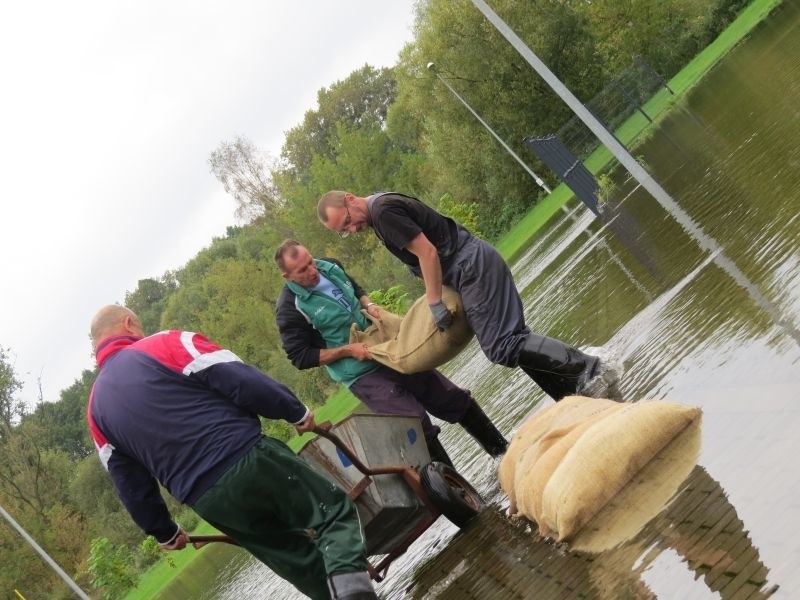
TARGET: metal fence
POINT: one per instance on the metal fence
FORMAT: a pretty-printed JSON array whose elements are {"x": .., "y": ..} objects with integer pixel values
[{"x": 624, "y": 95}]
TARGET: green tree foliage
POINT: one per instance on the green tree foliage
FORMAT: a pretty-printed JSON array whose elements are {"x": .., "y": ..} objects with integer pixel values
[
  {"x": 583, "y": 43},
  {"x": 462, "y": 157},
  {"x": 344, "y": 143},
  {"x": 34, "y": 488},
  {"x": 11, "y": 408},
  {"x": 111, "y": 568},
  {"x": 465, "y": 213},
  {"x": 63, "y": 423},
  {"x": 149, "y": 299},
  {"x": 362, "y": 99}
]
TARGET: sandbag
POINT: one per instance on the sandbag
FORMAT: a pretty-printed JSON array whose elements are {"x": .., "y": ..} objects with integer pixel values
[
  {"x": 413, "y": 343},
  {"x": 549, "y": 453},
  {"x": 605, "y": 458},
  {"x": 559, "y": 416}
]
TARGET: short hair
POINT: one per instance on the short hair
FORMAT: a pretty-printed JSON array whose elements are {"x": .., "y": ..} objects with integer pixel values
[
  {"x": 287, "y": 247},
  {"x": 332, "y": 199}
]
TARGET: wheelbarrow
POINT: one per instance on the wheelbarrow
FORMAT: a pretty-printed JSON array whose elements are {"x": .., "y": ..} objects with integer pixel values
[{"x": 383, "y": 464}]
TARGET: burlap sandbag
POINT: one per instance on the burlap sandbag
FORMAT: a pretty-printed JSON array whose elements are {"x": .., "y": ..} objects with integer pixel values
[
  {"x": 606, "y": 457},
  {"x": 413, "y": 343},
  {"x": 548, "y": 454},
  {"x": 560, "y": 415}
]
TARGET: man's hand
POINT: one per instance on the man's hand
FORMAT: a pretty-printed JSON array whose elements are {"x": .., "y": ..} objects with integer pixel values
[
  {"x": 441, "y": 316},
  {"x": 359, "y": 351},
  {"x": 374, "y": 311},
  {"x": 306, "y": 425},
  {"x": 179, "y": 543}
]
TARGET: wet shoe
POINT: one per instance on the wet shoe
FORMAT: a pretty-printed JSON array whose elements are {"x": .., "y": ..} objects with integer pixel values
[{"x": 601, "y": 379}]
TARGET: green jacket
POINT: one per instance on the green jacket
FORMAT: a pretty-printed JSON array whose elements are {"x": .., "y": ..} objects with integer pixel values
[{"x": 333, "y": 320}]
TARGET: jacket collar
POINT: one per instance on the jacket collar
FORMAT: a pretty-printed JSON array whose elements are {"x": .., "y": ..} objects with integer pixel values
[{"x": 111, "y": 345}]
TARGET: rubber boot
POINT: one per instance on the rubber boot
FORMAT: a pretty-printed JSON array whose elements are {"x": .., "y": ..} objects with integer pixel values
[
  {"x": 559, "y": 369},
  {"x": 437, "y": 452},
  {"x": 351, "y": 586},
  {"x": 478, "y": 425}
]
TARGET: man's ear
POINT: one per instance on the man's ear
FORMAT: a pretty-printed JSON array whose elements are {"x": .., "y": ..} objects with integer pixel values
[
  {"x": 130, "y": 324},
  {"x": 285, "y": 275}
]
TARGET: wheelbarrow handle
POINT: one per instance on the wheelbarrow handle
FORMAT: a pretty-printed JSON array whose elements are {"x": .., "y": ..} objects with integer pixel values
[{"x": 201, "y": 540}]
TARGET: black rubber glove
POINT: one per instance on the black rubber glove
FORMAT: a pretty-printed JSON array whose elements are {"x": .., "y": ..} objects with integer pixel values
[{"x": 441, "y": 316}]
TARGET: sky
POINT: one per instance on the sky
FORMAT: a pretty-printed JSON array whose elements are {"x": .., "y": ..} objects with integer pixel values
[{"x": 108, "y": 113}]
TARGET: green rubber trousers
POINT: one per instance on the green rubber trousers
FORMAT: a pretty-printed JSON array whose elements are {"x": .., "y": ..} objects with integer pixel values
[{"x": 290, "y": 518}]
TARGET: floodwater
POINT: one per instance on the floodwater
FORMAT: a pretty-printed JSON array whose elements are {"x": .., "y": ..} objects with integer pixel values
[{"x": 711, "y": 322}]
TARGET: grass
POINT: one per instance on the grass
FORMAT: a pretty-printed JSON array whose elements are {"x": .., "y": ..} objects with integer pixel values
[{"x": 343, "y": 403}]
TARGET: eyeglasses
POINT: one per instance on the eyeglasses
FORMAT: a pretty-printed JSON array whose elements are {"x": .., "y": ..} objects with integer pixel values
[{"x": 343, "y": 233}]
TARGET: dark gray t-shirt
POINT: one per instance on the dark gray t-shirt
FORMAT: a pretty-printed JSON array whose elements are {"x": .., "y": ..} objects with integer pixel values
[{"x": 397, "y": 219}]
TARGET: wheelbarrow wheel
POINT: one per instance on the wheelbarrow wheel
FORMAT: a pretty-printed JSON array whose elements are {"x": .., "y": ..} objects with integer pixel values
[{"x": 451, "y": 493}]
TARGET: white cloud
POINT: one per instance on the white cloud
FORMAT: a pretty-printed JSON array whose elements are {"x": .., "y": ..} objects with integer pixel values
[{"x": 108, "y": 114}]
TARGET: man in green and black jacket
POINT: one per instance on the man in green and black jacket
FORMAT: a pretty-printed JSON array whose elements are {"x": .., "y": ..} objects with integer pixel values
[{"x": 314, "y": 313}]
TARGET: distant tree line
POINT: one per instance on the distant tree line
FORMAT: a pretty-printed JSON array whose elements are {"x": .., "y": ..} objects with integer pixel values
[{"x": 378, "y": 129}]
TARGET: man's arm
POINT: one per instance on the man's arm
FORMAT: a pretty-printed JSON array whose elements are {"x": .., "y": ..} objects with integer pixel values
[
  {"x": 431, "y": 268},
  {"x": 249, "y": 388},
  {"x": 139, "y": 492},
  {"x": 301, "y": 342}
]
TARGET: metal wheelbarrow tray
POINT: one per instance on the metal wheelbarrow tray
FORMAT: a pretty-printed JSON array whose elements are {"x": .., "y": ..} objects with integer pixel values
[{"x": 383, "y": 464}]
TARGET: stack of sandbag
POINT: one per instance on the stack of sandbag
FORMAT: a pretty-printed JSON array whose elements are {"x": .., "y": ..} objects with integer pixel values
[
  {"x": 413, "y": 343},
  {"x": 567, "y": 461}
]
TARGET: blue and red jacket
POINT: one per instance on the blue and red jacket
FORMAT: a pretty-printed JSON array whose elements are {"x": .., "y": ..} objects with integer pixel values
[{"x": 175, "y": 408}]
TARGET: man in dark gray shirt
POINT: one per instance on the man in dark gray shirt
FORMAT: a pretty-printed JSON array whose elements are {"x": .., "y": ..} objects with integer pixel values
[{"x": 442, "y": 251}]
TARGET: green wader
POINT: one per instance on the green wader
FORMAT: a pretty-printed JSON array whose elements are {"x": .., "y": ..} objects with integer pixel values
[{"x": 270, "y": 501}]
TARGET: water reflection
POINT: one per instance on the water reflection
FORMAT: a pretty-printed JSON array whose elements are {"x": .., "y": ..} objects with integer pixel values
[{"x": 700, "y": 531}]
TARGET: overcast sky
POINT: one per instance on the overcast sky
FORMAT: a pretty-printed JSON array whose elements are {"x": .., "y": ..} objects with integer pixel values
[{"x": 108, "y": 113}]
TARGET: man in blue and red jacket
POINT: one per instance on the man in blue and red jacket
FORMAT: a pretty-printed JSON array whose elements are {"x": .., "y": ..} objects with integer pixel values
[{"x": 176, "y": 409}]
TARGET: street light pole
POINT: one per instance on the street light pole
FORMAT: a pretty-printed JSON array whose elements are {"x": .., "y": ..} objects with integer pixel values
[{"x": 539, "y": 182}]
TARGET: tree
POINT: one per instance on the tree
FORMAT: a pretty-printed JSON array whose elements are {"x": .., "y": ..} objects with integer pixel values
[
  {"x": 363, "y": 98},
  {"x": 462, "y": 157},
  {"x": 149, "y": 299},
  {"x": 63, "y": 423},
  {"x": 111, "y": 568},
  {"x": 11, "y": 409},
  {"x": 245, "y": 173}
]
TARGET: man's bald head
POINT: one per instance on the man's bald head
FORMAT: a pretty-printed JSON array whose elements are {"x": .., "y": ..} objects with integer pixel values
[{"x": 114, "y": 320}]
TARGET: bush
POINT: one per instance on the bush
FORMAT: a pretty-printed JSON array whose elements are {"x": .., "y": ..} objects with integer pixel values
[
  {"x": 395, "y": 299},
  {"x": 111, "y": 568}
]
